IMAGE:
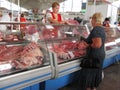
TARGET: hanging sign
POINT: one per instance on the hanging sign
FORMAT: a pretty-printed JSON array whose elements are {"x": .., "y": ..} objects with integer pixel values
[{"x": 98, "y": 2}]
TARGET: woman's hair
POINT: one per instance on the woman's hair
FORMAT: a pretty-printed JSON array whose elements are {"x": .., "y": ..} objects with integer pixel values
[
  {"x": 107, "y": 19},
  {"x": 98, "y": 17},
  {"x": 55, "y": 4},
  {"x": 22, "y": 15}
]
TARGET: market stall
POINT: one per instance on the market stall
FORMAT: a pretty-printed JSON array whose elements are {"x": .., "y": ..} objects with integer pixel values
[{"x": 39, "y": 56}]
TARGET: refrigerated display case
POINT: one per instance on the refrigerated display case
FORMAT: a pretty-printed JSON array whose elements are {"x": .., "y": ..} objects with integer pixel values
[
  {"x": 64, "y": 41},
  {"x": 66, "y": 46},
  {"x": 66, "y": 61},
  {"x": 40, "y": 52},
  {"x": 23, "y": 60},
  {"x": 112, "y": 41},
  {"x": 31, "y": 55}
]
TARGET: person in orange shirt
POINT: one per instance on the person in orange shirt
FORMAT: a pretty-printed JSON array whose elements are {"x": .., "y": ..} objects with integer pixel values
[
  {"x": 22, "y": 19},
  {"x": 22, "y": 26}
]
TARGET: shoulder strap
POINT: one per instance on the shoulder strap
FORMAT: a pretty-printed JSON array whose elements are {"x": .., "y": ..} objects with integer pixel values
[{"x": 59, "y": 18}]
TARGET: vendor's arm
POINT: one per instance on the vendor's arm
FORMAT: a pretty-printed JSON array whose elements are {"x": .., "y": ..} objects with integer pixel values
[{"x": 50, "y": 19}]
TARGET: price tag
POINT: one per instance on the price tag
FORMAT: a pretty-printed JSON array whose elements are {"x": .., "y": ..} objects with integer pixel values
[
  {"x": 71, "y": 54},
  {"x": 68, "y": 33},
  {"x": 49, "y": 27},
  {"x": 5, "y": 67}
]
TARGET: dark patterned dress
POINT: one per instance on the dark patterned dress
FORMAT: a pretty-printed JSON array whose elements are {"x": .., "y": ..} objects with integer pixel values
[{"x": 91, "y": 76}]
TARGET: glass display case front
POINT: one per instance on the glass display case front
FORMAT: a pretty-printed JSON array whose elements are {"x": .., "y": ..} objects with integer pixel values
[
  {"x": 111, "y": 36},
  {"x": 64, "y": 41},
  {"x": 20, "y": 49},
  {"x": 36, "y": 44},
  {"x": 37, "y": 52}
]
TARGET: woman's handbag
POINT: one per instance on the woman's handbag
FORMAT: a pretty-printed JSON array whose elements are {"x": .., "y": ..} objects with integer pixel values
[{"x": 86, "y": 62}]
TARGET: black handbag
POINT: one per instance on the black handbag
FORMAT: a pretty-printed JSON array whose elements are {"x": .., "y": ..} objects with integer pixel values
[{"x": 86, "y": 62}]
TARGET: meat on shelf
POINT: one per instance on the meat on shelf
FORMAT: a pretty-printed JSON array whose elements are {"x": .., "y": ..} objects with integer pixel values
[
  {"x": 69, "y": 49},
  {"x": 21, "y": 56}
]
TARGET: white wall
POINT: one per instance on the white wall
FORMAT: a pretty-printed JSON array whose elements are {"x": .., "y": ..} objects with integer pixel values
[
  {"x": 107, "y": 10},
  {"x": 71, "y": 6},
  {"x": 113, "y": 11},
  {"x": 99, "y": 8},
  {"x": 11, "y": 6}
]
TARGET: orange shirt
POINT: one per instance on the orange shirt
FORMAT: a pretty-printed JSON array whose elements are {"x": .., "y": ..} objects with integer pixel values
[
  {"x": 22, "y": 19},
  {"x": 59, "y": 17}
]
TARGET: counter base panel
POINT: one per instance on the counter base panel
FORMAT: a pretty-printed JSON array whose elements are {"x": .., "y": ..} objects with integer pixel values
[
  {"x": 67, "y": 79},
  {"x": 60, "y": 82},
  {"x": 33, "y": 87}
]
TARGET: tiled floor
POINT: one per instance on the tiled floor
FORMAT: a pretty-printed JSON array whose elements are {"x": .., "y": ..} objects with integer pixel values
[{"x": 111, "y": 80}]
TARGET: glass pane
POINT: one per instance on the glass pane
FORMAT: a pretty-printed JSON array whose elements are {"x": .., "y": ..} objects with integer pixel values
[
  {"x": 21, "y": 48},
  {"x": 111, "y": 36},
  {"x": 64, "y": 41}
]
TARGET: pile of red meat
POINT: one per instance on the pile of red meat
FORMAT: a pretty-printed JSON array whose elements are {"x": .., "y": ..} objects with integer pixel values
[
  {"x": 72, "y": 22},
  {"x": 21, "y": 56},
  {"x": 31, "y": 29},
  {"x": 49, "y": 33},
  {"x": 70, "y": 50}
]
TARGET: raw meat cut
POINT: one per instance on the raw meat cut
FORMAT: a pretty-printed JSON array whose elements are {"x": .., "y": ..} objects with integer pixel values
[
  {"x": 69, "y": 49},
  {"x": 11, "y": 53},
  {"x": 31, "y": 29},
  {"x": 31, "y": 55},
  {"x": 50, "y": 33},
  {"x": 72, "y": 22},
  {"x": 21, "y": 57}
]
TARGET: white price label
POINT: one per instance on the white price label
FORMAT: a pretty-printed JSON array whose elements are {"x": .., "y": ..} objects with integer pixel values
[
  {"x": 71, "y": 54},
  {"x": 5, "y": 67},
  {"x": 49, "y": 27},
  {"x": 68, "y": 33}
]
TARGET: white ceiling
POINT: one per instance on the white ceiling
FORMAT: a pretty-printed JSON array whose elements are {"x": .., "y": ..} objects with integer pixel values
[{"x": 32, "y": 4}]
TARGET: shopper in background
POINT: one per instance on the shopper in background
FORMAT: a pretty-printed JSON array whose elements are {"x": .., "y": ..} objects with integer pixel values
[
  {"x": 22, "y": 19},
  {"x": 106, "y": 22},
  {"x": 23, "y": 26},
  {"x": 54, "y": 17},
  {"x": 91, "y": 72}
]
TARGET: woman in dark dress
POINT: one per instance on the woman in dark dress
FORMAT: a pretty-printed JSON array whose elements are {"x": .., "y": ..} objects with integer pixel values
[{"x": 91, "y": 72}]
